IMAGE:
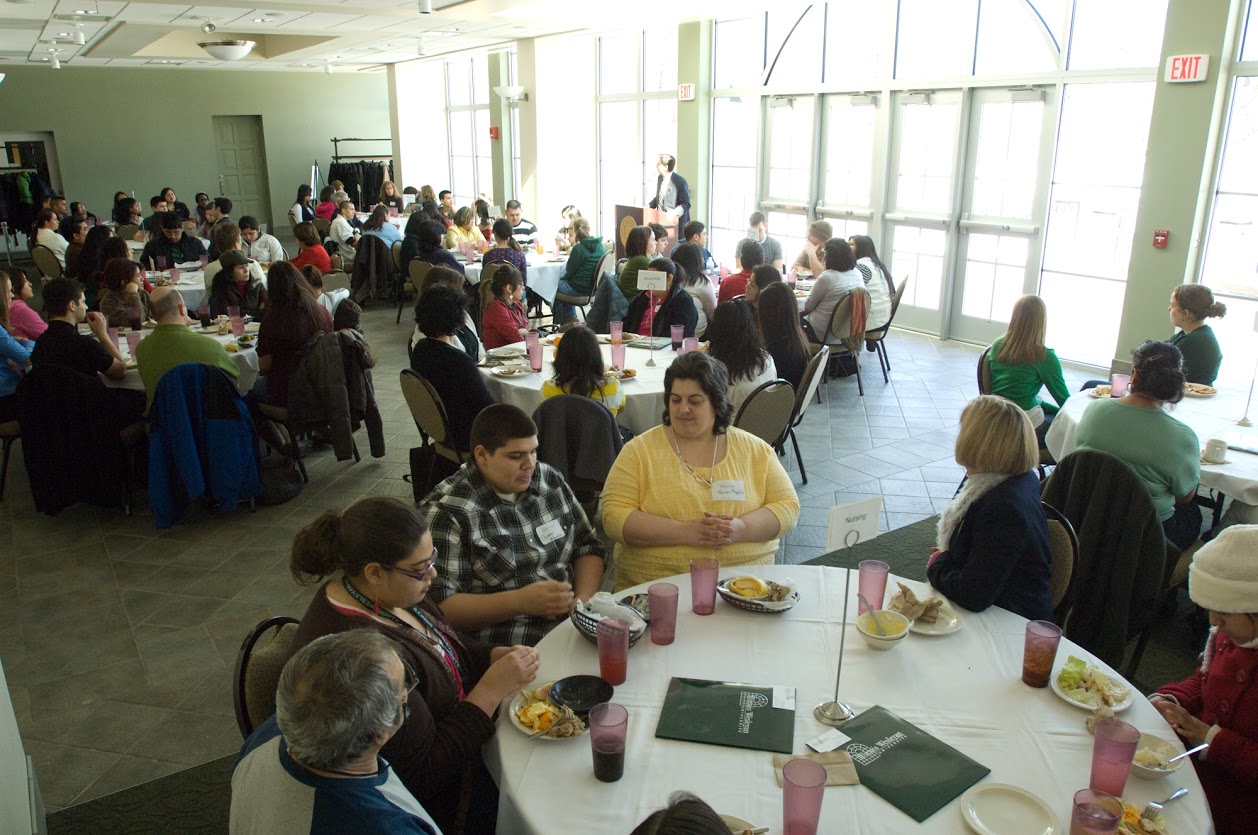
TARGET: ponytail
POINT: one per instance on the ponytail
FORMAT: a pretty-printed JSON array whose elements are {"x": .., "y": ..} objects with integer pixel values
[{"x": 378, "y": 529}]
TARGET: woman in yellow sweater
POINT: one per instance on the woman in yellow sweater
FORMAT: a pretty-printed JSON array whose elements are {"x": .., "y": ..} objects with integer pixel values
[
  {"x": 695, "y": 485},
  {"x": 463, "y": 230}
]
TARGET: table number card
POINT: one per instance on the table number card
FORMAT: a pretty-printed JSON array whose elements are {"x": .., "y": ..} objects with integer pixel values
[
  {"x": 652, "y": 280},
  {"x": 861, "y": 517}
]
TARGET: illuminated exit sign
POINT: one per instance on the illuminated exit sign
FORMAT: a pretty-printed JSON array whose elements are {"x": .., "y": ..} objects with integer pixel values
[{"x": 1186, "y": 68}]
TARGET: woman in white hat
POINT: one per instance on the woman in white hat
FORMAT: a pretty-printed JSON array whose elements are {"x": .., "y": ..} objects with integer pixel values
[{"x": 1218, "y": 704}]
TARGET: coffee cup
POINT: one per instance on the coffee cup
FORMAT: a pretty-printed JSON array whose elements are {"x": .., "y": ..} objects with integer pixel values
[{"x": 1216, "y": 451}]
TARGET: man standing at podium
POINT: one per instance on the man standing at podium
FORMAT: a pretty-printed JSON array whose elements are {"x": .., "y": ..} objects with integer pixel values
[{"x": 672, "y": 193}]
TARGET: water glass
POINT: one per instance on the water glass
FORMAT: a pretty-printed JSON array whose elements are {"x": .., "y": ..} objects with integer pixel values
[
  {"x": 609, "y": 729},
  {"x": 159, "y": 262},
  {"x": 803, "y": 788},
  {"x": 617, "y": 332},
  {"x": 531, "y": 338},
  {"x": 1118, "y": 384},
  {"x": 238, "y": 326},
  {"x": 703, "y": 574},
  {"x": 618, "y": 355},
  {"x": 1039, "y": 652},
  {"x": 613, "y": 650},
  {"x": 1112, "y": 753},
  {"x": 233, "y": 312},
  {"x": 1095, "y": 813},
  {"x": 205, "y": 260},
  {"x": 678, "y": 332},
  {"x": 873, "y": 584},
  {"x": 662, "y": 599},
  {"x": 535, "y": 356},
  {"x": 113, "y": 337},
  {"x": 203, "y": 313},
  {"x": 174, "y": 274}
]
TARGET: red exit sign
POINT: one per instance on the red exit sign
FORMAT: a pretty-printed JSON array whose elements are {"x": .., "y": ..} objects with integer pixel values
[{"x": 1186, "y": 68}]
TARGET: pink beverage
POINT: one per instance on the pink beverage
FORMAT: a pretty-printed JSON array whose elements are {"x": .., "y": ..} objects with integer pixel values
[
  {"x": 618, "y": 355},
  {"x": 609, "y": 729},
  {"x": 174, "y": 274},
  {"x": 531, "y": 338},
  {"x": 238, "y": 326},
  {"x": 703, "y": 574},
  {"x": 1039, "y": 652},
  {"x": 662, "y": 599},
  {"x": 203, "y": 313},
  {"x": 113, "y": 336},
  {"x": 690, "y": 343},
  {"x": 791, "y": 278},
  {"x": 678, "y": 333},
  {"x": 613, "y": 650},
  {"x": 803, "y": 789},
  {"x": 1112, "y": 752},
  {"x": 535, "y": 356},
  {"x": 160, "y": 261},
  {"x": 233, "y": 312},
  {"x": 873, "y": 584},
  {"x": 205, "y": 260},
  {"x": 1118, "y": 384},
  {"x": 617, "y": 332},
  {"x": 1095, "y": 813},
  {"x": 133, "y": 340}
]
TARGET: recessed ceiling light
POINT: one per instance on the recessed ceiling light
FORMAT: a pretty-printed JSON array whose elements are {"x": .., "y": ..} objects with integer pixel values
[
  {"x": 63, "y": 34},
  {"x": 259, "y": 20},
  {"x": 79, "y": 11}
]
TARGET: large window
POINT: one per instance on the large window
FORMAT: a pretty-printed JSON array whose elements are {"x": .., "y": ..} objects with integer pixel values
[
  {"x": 733, "y": 173},
  {"x": 467, "y": 119}
]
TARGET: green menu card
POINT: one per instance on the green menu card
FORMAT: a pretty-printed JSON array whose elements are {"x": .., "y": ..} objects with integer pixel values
[
  {"x": 905, "y": 766},
  {"x": 729, "y": 713}
]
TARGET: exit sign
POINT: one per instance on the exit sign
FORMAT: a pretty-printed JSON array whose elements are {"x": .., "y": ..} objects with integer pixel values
[
  {"x": 1186, "y": 68},
  {"x": 685, "y": 92}
]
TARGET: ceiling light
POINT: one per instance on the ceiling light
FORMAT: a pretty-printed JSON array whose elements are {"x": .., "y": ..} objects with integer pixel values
[
  {"x": 79, "y": 38},
  {"x": 228, "y": 50},
  {"x": 420, "y": 50},
  {"x": 208, "y": 27},
  {"x": 260, "y": 20},
  {"x": 513, "y": 93},
  {"x": 425, "y": 6},
  {"x": 56, "y": 63},
  {"x": 63, "y": 34}
]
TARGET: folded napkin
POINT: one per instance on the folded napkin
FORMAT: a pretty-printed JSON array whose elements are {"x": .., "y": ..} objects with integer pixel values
[{"x": 839, "y": 768}]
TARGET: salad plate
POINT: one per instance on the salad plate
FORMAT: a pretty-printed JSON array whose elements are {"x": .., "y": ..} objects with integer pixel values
[
  {"x": 525, "y": 700},
  {"x": 506, "y": 351},
  {"x": 1002, "y": 809},
  {"x": 1089, "y": 685}
]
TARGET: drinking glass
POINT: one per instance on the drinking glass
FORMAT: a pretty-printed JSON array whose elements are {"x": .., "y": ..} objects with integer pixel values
[
  {"x": 203, "y": 313},
  {"x": 238, "y": 326},
  {"x": 535, "y": 356},
  {"x": 618, "y": 355},
  {"x": 617, "y": 331},
  {"x": 1095, "y": 813},
  {"x": 174, "y": 274},
  {"x": 678, "y": 332},
  {"x": 703, "y": 574},
  {"x": 662, "y": 599},
  {"x": 531, "y": 338},
  {"x": 609, "y": 726},
  {"x": 205, "y": 260},
  {"x": 1112, "y": 753},
  {"x": 1039, "y": 652},
  {"x": 160, "y": 262},
  {"x": 803, "y": 788},
  {"x": 613, "y": 650},
  {"x": 873, "y": 584},
  {"x": 233, "y": 312},
  {"x": 113, "y": 336},
  {"x": 1118, "y": 384},
  {"x": 690, "y": 343}
]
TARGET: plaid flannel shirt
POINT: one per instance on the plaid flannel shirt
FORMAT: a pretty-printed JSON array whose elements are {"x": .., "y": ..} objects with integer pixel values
[{"x": 488, "y": 545}]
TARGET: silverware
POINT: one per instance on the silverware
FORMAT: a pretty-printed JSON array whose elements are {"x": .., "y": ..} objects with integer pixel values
[
  {"x": 874, "y": 615},
  {"x": 1154, "y": 808},
  {"x": 1203, "y": 746}
]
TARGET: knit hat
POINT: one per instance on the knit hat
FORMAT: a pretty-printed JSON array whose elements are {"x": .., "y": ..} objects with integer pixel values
[{"x": 1223, "y": 576}]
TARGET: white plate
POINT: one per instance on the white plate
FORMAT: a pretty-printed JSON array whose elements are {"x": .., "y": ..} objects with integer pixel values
[
  {"x": 506, "y": 351},
  {"x": 737, "y": 825},
  {"x": 625, "y": 338},
  {"x": 1100, "y": 391},
  {"x": 946, "y": 622},
  {"x": 509, "y": 371},
  {"x": 1001, "y": 809},
  {"x": 1188, "y": 392},
  {"x": 1063, "y": 657},
  {"x": 516, "y": 704}
]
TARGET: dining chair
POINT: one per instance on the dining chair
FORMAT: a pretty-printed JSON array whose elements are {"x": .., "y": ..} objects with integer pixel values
[
  {"x": 395, "y": 252},
  {"x": 984, "y": 371},
  {"x": 578, "y": 436},
  {"x": 582, "y": 300},
  {"x": 46, "y": 262},
  {"x": 10, "y": 431},
  {"x": 840, "y": 333},
  {"x": 278, "y": 414},
  {"x": 809, "y": 385},
  {"x": 1064, "y": 547},
  {"x": 878, "y": 337},
  {"x": 335, "y": 280},
  {"x": 323, "y": 225},
  {"x": 767, "y": 412},
  {"x": 415, "y": 272},
  {"x": 257, "y": 673},
  {"x": 128, "y": 232},
  {"x": 430, "y": 417}
]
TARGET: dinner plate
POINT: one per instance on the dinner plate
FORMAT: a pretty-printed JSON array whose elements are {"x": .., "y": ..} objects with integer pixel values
[
  {"x": 506, "y": 351},
  {"x": 737, "y": 825},
  {"x": 1100, "y": 391},
  {"x": 1002, "y": 809},
  {"x": 946, "y": 622},
  {"x": 1062, "y": 658},
  {"x": 625, "y": 338},
  {"x": 652, "y": 342},
  {"x": 253, "y": 327},
  {"x": 509, "y": 371},
  {"x": 1199, "y": 390},
  {"x": 516, "y": 704}
]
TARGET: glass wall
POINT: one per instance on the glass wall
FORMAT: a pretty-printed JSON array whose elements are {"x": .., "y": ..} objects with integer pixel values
[{"x": 467, "y": 119}]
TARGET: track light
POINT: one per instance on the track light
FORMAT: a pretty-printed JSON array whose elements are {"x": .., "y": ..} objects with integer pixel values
[
  {"x": 420, "y": 50},
  {"x": 327, "y": 68},
  {"x": 79, "y": 38},
  {"x": 208, "y": 27},
  {"x": 425, "y": 6}
]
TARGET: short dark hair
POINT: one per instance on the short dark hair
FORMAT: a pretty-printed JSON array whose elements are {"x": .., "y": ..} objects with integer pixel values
[
  {"x": 711, "y": 377},
  {"x": 248, "y": 222},
  {"x": 751, "y": 254},
  {"x": 685, "y": 815},
  {"x": 307, "y": 233},
  {"x": 658, "y": 230},
  {"x": 441, "y": 195},
  {"x": 513, "y": 204},
  {"x": 170, "y": 220},
  {"x": 223, "y": 205},
  {"x": 499, "y": 424},
  {"x": 764, "y": 275},
  {"x": 694, "y": 227},
  {"x": 756, "y": 219},
  {"x": 313, "y": 276},
  {"x": 59, "y": 294},
  {"x": 838, "y": 255},
  {"x": 441, "y": 314},
  {"x": 1158, "y": 371},
  {"x": 153, "y": 201},
  {"x": 348, "y": 315}
]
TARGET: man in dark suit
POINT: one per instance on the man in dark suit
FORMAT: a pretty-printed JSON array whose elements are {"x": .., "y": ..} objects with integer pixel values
[{"x": 672, "y": 192}]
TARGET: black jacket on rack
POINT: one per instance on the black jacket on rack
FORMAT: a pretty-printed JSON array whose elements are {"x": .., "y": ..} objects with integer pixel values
[{"x": 365, "y": 175}]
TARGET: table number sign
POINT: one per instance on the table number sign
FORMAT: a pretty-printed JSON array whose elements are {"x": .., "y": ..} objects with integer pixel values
[{"x": 861, "y": 517}]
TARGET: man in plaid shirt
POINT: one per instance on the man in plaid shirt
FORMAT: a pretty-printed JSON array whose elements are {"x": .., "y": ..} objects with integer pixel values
[{"x": 516, "y": 549}]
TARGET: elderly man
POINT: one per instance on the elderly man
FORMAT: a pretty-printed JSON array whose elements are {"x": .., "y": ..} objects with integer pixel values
[
  {"x": 315, "y": 766},
  {"x": 172, "y": 244},
  {"x": 171, "y": 343},
  {"x": 259, "y": 245}
]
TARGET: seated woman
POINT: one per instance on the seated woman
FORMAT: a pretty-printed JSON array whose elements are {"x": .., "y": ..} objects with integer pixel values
[
  {"x": 1164, "y": 452},
  {"x": 441, "y": 360},
  {"x": 379, "y": 562},
  {"x": 689, "y": 258},
  {"x": 877, "y": 278},
  {"x": 672, "y": 307},
  {"x": 503, "y": 321},
  {"x": 389, "y": 197},
  {"x": 89, "y": 262},
  {"x": 778, "y": 316},
  {"x": 1216, "y": 704},
  {"x": 639, "y": 249},
  {"x": 303, "y": 210},
  {"x": 585, "y": 251},
  {"x": 22, "y": 322},
  {"x": 761, "y": 277},
  {"x": 811, "y": 258},
  {"x": 378, "y": 225},
  {"x": 1021, "y": 365},
  {"x": 839, "y": 278},
  {"x": 15, "y": 354},
  {"x": 429, "y": 238},
  {"x": 563, "y": 238},
  {"x": 233, "y": 286},
  {"x": 993, "y": 538},
  {"x": 463, "y": 231},
  {"x": 46, "y": 234},
  {"x": 123, "y": 300},
  {"x": 483, "y": 222},
  {"x": 506, "y": 250},
  {"x": 467, "y": 335},
  {"x": 579, "y": 370},
  {"x": 326, "y": 208},
  {"x": 734, "y": 339},
  {"x": 658, "y": 503},
  {"x": 292, "y": 317},
  {"x": 1191, "y": 304},
  {"x": 310, "y": 253}
]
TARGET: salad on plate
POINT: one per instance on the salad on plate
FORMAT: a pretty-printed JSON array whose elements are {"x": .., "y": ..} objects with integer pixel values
[{"x": 1089, "y": 686}]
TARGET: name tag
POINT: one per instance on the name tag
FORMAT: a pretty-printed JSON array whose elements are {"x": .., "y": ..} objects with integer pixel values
[
  {"x": 549, "y": 532},
  {"x": 729, "y": 490}
]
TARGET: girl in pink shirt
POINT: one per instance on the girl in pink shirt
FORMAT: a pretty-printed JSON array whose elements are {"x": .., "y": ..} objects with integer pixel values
[{"x": 24, "y": 323}]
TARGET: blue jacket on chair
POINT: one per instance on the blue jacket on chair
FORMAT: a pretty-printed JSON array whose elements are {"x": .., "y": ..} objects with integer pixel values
[{"x": 201, "y": 442}]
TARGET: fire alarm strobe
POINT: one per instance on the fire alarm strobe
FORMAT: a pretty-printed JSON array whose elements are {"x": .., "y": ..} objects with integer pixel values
[{"x": 1159, "y": 237}]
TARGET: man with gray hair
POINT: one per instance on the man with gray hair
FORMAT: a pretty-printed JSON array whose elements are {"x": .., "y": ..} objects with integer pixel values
[{"x": 315, "y": 766}]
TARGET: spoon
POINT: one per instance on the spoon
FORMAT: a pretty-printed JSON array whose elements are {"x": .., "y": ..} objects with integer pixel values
[
  {"x": 873, "y": 615},
  {"x": 1154, "y": 807},
  {"x": 1203, "y": 746}
]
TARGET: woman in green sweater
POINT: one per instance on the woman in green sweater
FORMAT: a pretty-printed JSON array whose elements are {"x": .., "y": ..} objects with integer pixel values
[
  {"x": 1021, "y": 365},
  {"x": 1191, "y": 304},
  {"x": 584, "y": 253},
  {"x": 640, "y": 248}
]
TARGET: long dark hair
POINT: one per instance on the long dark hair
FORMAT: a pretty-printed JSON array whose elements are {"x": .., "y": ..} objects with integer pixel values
[
  {"x": 303, "y": 193},
  {"x": 89, "y": 260},
  {"x": 689, "y": 257},
  {"x": 110, "y": 248},
  {"x": 734, "y": 339},
  {"x": 122, "y": 210},
  {"x": 669, "y": 266},
  {"x": 579, "y": 363},
  {"x": 291, "y": 309},
  {"x": 504, "y": 231},
  {"x": 864, "y": 248},
  {"x": 635, "y": 243},
  {"x": 119, "y": 272},
  {"x": 430, "y": 235},
  {"x": 378, "y": 529},
  {"x": 779, "y": 323},
  {"x": 413, "y": 223},
  {"x": 379, "y": 217}
]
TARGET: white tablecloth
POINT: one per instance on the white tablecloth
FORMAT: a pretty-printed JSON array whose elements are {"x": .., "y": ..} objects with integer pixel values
[
  {"x": 137, "y": 247},
  {"x": 246, "y": 360},
  {"x": 964, "y": 688},
  {"x": 644, "y": 393},
  {"x": 543, "y": 277},
  {"x": 1209, "y": 417}
]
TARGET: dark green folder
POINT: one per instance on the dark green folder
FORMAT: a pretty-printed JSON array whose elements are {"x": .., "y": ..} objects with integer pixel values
[
  {"x": 727, "y": 713},
  {"x": 906, "y": 766}
]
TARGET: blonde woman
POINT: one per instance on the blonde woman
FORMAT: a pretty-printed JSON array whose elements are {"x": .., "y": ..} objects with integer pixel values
[
  {"x": 1021, "y": 364},
  {"x": 1191, "y": 305},
  {"x": 463, "y": 231},
  {"x": 992, "y": 545}
]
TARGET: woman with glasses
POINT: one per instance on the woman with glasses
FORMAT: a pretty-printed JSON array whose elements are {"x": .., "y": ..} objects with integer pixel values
[{"x": 379, "y": 562}]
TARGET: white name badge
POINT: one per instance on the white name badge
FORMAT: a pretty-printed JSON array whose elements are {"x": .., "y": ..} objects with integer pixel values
[
  {"x": 549, "y": 532},
  {"x": 729, "y": 490}
]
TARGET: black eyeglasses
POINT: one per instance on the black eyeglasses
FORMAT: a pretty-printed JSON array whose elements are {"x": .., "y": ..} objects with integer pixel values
[
  {"x": 410, "y": 681},
  {"x": 429, "y": 567}
]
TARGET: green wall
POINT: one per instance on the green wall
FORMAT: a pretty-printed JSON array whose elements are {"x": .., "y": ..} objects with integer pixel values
[{"x": 141, "y": 129}]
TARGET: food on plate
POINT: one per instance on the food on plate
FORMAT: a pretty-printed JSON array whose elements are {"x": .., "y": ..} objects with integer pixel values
[
  {"x": 1133, "y": 824},
  {"x": 1086, "y": 684},
  {"x": 749, "y": 587},
  {"x": 1102, "y": 391},
  {"x": 231, "y": 347},
  {"x": 923, "y": 611},
  {"x": 1149, "y": 758},
  {"x": 628, "y": 374},
  {"x": 1198, "y": 388},
  {"x": 1099, "y": 713},
  {"x": 539, "y": 714}
]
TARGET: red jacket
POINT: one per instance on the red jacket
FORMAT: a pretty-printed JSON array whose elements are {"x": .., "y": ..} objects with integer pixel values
[
  {"x": 733, "y": 285},
  {"x": 501, "y": 324},
  {"x": 1222, "y": 693}
]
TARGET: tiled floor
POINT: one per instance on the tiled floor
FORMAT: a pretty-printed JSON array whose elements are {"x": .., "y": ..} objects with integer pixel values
[{"x": 118, "y": 642}]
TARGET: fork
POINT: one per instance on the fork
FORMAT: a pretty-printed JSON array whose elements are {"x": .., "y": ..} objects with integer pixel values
[{"x": 1154, "y": 808}]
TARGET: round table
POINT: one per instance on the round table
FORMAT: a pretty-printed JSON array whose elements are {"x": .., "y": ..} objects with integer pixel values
[
  {"x": 246, "y": 360},
  {"x": 963, "y": 688},
  {"x": 1209, "y": 417},
  {"x": 543, "y": 277},
  {"x": 644, "y": 393}
]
